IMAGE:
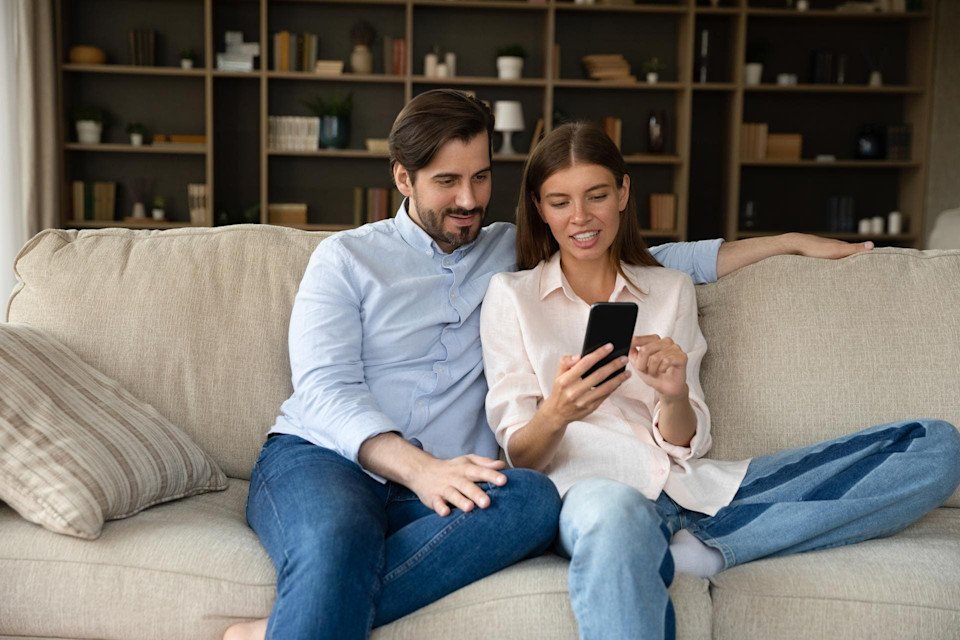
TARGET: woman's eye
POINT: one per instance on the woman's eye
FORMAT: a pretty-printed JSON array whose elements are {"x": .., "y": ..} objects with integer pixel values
[
  {"x": 557, "y": 205},
  {"x": 598, "y": 198}
]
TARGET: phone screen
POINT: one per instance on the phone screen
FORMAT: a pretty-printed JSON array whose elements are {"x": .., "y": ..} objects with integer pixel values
[{"x": 611, "y": 322}]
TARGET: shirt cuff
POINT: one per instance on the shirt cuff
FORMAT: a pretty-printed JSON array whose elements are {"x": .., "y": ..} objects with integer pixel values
[
  {"x": 362, "y": 428},
  {"x": 674, "y": 450},
  {"x": 705, "y": 255}
]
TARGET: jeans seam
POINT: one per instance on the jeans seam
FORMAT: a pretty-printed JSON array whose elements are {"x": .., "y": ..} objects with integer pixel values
[
  {"x": 276, "y": 514},
  {"x": 425, "y": 550},
  {"x": 730, "y": 558}
]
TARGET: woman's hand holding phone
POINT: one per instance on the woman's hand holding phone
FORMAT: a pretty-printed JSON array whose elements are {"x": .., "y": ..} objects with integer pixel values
[
  {"x": 661, "y": 364},
  {"x": 574, "y": 397}
]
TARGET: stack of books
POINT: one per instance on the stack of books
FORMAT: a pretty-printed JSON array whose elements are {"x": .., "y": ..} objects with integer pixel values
[
  {"x": 197, "y": 202},
  {"x": 142, "y": 49},
  {"x": 328, "y": 67},
  {"x": 374, "y": 204},
  {"x": 753, "y": 141},
  {"x": 394, "y": 55},
  {"x": 612, "y": 67},
  {"x": 94, "y": 200},
  {"x": 239, "y": 55},
  {"x": 293, "y": 133},
  {"x": 614, "y": 128},
  {"x": 295, "y": 51},
  {"x": 663, "y": 210},
  {"x": 899, "y": 141}
]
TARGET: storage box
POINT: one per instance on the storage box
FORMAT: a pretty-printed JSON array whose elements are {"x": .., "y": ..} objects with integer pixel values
[
  {"x": 287, "y": 213},
  {"x": 663, "y": 211},
  {"x": 784, "y": 146}
]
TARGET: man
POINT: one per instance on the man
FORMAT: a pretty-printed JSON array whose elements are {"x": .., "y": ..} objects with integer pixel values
[{"x": 378, "y": 490}]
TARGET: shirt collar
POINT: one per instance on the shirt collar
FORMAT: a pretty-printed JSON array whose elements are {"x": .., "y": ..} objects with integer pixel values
[
  {"x": 420, "y": 240},
  {"x": 552, "y": 278}
]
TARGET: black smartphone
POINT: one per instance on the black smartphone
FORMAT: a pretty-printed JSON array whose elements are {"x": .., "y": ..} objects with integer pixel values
[{"x": 611, "y": 322}]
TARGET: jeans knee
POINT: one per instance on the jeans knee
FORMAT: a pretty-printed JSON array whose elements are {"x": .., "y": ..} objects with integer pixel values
[
  {"x": 534, "y": 498},
  {"x": 612, "y": 511},
  {"x": 945, "y": 444}
]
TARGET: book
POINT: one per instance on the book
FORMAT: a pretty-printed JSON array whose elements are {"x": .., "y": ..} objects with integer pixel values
[
  {"x": 399, "y": 56},
  {"x": 388, "y": 54},
  {"x": 78, "y": 200},
  {"x": 284, "y": 51},
  {"x": 358, "y": 208},
  {"x": 613, "y": 128}
]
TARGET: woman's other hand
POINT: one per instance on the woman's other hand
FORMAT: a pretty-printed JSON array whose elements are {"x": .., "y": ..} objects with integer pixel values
[
  {"x": 574, "y": 397},
  {"x": 661, "y": 364}
]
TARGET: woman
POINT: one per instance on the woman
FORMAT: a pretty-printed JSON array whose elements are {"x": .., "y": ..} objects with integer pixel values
[{"x": 627, "y": 454}]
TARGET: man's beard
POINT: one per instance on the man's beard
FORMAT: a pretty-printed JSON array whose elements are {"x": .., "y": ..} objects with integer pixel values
[{"x": 432, "y": 221}]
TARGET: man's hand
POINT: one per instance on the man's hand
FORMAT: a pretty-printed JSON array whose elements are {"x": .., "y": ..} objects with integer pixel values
[
  {"x": 439, "y": 483},
  {"x": 740, "y": 253}
]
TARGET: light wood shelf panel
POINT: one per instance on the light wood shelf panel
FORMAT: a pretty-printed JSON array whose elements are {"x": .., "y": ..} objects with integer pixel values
[
  {"x": 833, "y": 164},
  {"x": 167, "y": 147},
  {"x": 832, "y": 88},
  {"x": 122, "y": 69}
]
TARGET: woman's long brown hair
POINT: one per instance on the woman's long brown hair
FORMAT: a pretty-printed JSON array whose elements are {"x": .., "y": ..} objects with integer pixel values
[{"x": 567, "y": 145}]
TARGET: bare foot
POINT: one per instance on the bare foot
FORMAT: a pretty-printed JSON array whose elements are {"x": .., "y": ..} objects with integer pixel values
[{"x": 255, "y": 630}]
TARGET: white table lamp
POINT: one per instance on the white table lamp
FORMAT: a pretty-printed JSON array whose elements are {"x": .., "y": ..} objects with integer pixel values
[{"x": 508, "y": 117}]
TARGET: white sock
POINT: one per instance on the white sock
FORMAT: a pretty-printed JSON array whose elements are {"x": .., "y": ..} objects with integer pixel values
[{"x": 690, "y": 555}]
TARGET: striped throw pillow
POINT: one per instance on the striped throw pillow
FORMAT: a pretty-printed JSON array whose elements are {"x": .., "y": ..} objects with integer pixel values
[{"x": 76, "y": 449}]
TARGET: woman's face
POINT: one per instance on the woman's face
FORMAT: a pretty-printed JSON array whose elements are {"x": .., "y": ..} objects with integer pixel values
[{"x": 581, "y": 204}]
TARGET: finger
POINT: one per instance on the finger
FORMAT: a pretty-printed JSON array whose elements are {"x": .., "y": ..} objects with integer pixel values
[
  {"x": 489, "y": 463},
  {"x": 639, "y": 341},
  {"x": 595, "y": 397},
  {"x": 440, "y": 506},
  {"x": 457, "y": 499},
  {"x": 677, "y": 360},
  {"x": 584, "y": 363},
  {"x": 565, "y": 363},
  {"x": 601, "y": 374},
  {"x": 475, "y": 494},
  {"x": 485, "y": 474}
]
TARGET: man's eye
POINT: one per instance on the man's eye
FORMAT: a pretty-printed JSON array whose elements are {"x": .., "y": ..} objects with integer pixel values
[
  {"x": 445, "y": 182},
  {"x": 481, "y": 178}
]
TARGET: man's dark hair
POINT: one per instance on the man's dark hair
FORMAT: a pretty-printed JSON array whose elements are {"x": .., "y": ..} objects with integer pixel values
[{"x": 432, "y": 119}]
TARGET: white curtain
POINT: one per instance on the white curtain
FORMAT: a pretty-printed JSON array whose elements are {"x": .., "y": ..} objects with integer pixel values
[{"x": 29, "y": 148}]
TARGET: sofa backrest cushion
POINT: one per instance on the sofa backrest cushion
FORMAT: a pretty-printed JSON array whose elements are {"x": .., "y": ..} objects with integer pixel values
[
  {"x": 192, "y": 321},
  {"x": 802, "y": 350}
]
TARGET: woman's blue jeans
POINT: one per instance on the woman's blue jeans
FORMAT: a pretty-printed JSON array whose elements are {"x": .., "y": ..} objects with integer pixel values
[
  {"x": 856, "y": 487},
  {"x": 352, "y": 554}
]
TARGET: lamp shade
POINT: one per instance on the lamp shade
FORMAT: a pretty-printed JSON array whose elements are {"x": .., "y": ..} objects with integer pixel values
[{"x": 507, "y": 115}]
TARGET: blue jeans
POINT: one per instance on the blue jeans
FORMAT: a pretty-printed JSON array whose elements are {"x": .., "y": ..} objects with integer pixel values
[
  {"x": 865, "y": 485},
  {"x": 352, "y": 554}
]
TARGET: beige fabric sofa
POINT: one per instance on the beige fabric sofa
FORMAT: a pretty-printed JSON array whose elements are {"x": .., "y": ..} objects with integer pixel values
[{"x": 195, "y": 321}]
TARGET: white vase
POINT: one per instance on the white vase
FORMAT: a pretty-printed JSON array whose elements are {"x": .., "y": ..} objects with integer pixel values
[
  {"x": 136, "y": 139},
  {"x": 88, "y": 131},
  {"x": 139, "y": 211},
  {"x": 157, "y": 213},
  {"x": 186, "y": 63},
  {"x": 653, "y": 77},
  {"x": 754, "y": 73},
  {"x": 876, "y": 79},
  {"x": 509, "y": 67},
  {"x": 361, "y": 60}
]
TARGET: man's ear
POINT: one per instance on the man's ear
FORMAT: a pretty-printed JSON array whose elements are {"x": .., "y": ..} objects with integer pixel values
[{"x": 402, "y": 179}]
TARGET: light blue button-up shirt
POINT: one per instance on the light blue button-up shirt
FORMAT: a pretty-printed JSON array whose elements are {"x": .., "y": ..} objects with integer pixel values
[{"x": 385, "y": 336}]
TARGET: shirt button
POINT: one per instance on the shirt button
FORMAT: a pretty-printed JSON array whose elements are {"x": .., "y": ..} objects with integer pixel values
[
  {"x": 453, "y": 295},
  {"x": 446, "y": 263},
  {"x": 428, "y": 252},
  {"x": 419, "y": 403},
  {"x": 439, "y": 369}
]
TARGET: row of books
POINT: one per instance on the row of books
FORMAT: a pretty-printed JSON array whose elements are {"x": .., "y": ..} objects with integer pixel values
[
  {"x": 757, "y": 143},
  {"x": 374, "y": 204},
  {"x": 94, "y": 200},
  {"x": 611, "y": 66},
  {"x": 142, "y": 47},
  {"x": 899, "y": 141},
  {"x": 614, "y": 129},
  {"x": 663, "y": 211},
  {"x": 295, "y": 51},
  {"x": 394, "y": 55},
  {"x": 293, "y": 133}
]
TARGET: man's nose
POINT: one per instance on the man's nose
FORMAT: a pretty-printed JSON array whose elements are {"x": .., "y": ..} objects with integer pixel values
[{"x": 466, "y": 198}]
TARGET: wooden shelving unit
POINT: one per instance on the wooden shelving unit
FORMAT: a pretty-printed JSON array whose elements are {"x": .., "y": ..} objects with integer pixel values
[{"x": 701, "y": 164}]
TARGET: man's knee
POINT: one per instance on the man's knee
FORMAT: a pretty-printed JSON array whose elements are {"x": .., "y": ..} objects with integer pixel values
[{"x": 533, "y": 501}]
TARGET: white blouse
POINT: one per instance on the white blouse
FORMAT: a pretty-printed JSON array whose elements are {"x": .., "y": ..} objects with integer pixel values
[{"x": 530, "y": 319}]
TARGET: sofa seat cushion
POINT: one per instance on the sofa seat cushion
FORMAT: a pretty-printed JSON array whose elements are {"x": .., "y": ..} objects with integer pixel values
[
  {"x": 187, "y": 570},
  {"x": 184, "y": 569},
  {"x": 904, "y": 586}
]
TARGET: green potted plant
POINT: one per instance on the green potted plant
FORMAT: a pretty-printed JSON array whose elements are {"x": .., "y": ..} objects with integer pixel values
[
  {"x": 136, "y": 130},
  {"x": 510, "y": 62},
  {"x": 159, "y": 204},
  {"x": 652, "y": 69},
  {"x": 90, "y": 121},
  {"x": 362, "y": 35},
  {"x": 186, "y": 59},
  {"x": 334, "y": 117}
]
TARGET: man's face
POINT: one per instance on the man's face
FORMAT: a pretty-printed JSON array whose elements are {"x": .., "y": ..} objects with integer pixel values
[{"x": 449, "y": 199}]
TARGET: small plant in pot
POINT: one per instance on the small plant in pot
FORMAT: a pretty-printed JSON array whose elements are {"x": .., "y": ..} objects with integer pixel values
[
  {"x": 186, "y": 59},
  {"x": 652, "y": 68},
  {"x": 159, "y": 205},
  {"x": 89, "y": 121},
  {"x": 136, "y": 131},
  {"x": 510, "y": 62},
  {"x": 334, "y": 117},
  {"x": 362, "y": 35}
]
